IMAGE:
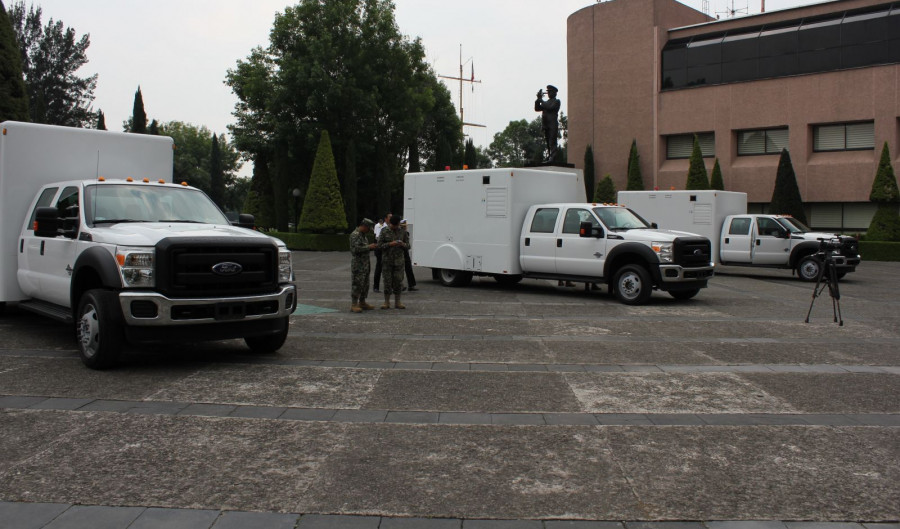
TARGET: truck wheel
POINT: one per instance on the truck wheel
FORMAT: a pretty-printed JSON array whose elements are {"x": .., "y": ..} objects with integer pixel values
[
  {"x": 632, "y": 285},
  {"x": 269, "y": 343},
  {"x": 809, "y": 268},
  {"x": 684, "y": 294},
  {"x": 98, "y": 328},
  {"x": 505, "y": 279},
  {"x": 455, "y": 278}
]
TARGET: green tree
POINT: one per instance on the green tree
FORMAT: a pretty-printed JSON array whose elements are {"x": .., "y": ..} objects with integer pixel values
[
  {"x": 885, "y": 225},
  {"x": 606, "y": 191},
  {"x": 635, "y": 180},
  {"x": 341, "y": 66},
  {"x": 259, "y": 201},
  {"x": 101, "y": 120},
  {"x": 697, "y": 177},
  {"x": 51, "y": 57},
  {"x": 138, "y": 116},
  {"x": 471, "y": 156},
  {"x": 323, "y": 208},
  {"x": 443, "y": 157},
  {"x": 153, "y": 129},
  {"x": 589, "y": 178},
  {"x": 519, "y": 143},
  {"x": 786, "y": 198},
  {"x": 715, "y": 180},
  {"x": 216, "y": 174},
  {"x": 349, "y": 184},
  {"x": 13, "y": 93}
]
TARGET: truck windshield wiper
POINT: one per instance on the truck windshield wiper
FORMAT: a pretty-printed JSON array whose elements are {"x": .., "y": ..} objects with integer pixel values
[
  {"x": 115, "y": 221},
  {"x": 182, "y": 220}
]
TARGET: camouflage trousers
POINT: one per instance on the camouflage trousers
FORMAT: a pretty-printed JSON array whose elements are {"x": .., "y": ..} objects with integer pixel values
[
  {"x": 359, "y": 289},
  {"x": 393, "y": 276}
]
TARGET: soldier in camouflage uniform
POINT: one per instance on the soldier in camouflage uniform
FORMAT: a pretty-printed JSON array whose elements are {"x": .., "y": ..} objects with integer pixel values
[
  {"x": 359, "y": 266},
  {"x": 391, "y": 244}
]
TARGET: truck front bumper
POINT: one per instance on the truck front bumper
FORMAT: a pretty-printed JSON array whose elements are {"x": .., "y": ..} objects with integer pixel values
[
  {"x": 146, "y": 309},
  {"x": 671, "y": 273}
]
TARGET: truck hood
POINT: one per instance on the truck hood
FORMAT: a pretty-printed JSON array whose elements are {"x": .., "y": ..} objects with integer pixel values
[
  {"x": 150, "y": 233},
  {"x": 654, "y": 235},
  {"x": 816, "y": 235}
]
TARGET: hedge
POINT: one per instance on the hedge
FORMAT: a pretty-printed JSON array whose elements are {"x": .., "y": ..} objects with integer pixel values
[
  {"x": 314, "y": 242},
  {"x": 879, "y": 251}
]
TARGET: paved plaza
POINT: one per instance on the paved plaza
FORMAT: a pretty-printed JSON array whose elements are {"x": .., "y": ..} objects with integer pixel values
[{"x": 479, "y": 407}]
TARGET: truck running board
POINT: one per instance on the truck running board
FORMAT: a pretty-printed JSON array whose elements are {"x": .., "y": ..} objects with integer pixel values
[{"x": 50, "y": 310}]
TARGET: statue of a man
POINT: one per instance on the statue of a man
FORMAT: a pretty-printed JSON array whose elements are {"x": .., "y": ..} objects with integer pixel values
[{"x": 549, "y": 110}]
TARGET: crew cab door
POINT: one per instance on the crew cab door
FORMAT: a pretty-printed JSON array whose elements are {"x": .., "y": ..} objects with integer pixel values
[
  {"x": 576, "y": 255},
  {"x": 50, "y": 259},
  {"x": 773, "y": 243},
  {"x": 538, "y": 246},
  {"x": 29, "y": 245},
  {"x": 737, "y": 240}
]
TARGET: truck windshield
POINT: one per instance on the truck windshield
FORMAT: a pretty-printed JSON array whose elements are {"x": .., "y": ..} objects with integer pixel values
[
  {"x": 113, "y": 203},
  {"x": 793, "y": 225},
  {"x": 621, "y": 219}
]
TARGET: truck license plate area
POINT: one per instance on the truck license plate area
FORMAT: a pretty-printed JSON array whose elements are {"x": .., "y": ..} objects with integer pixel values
[{"x": 231, "y": 311}]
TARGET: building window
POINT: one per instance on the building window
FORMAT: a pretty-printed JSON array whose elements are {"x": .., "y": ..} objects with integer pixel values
[
  {"x": 844, "y": 137},
  {"x": 766, "y": 141},
  {"x": 680, "y": 145}
]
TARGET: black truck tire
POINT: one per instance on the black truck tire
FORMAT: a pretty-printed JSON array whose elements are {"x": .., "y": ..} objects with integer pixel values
[
  {"x": 632, "y": 285},
  {"x": 684, "y": 294},
  {"x": 809, "y": 268},
  {"x": 269, "y": 343},
  {"x": 99, "y": 329},
  {"x": 455, "y": 278}
]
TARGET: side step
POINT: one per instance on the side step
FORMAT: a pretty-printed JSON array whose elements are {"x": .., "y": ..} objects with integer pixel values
[{"x": 49, "y": 310}]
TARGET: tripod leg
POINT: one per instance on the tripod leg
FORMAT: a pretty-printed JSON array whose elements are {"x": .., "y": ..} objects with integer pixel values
[{"x": 815, "y": 293}]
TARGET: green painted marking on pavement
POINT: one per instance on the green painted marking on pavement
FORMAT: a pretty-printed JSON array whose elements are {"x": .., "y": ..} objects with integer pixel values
[{"x": 310, "y": 309}]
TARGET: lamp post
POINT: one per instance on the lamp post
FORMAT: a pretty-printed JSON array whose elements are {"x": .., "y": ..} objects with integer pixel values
[{"x": 296, "y": 193}]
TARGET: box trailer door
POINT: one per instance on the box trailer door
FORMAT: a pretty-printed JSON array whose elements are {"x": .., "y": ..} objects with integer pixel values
[{"x": 538, "y": 249}]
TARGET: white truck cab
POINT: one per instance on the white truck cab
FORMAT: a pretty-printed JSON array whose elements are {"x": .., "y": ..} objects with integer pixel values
[
  {"x": 513, "y": 224},
  {"x": 129, "y": 259}
]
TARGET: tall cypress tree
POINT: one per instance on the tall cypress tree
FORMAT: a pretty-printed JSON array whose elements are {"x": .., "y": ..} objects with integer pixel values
[
  {"x": 13, "y": 94},
  {"x": 786, "y": 199},
  {"x": 715, "y": 180},
  {"x": 470, "y": 158},
  {"x": 216, "y": 174},
  {"x": 101, "y": 120},
  {"x": 589, "y": 181},
  {"x": 885, "y": 225},
  {"x": 635, "y": 179},
  {"x": 697, "y": 177},
  {"x": 138, "y": 116},
  {"x": 323, "y": 208}
]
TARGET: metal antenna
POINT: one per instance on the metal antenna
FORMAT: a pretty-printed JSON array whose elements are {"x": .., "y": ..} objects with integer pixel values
[
  {"x": 732, "y": 11},
  {"x": 461, "y": 79}
]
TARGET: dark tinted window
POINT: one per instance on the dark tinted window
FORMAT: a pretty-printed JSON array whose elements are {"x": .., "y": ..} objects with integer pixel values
[
  {"x": 43, "y": 201},
  {"x": 740, "y": 226},
  {"x": 574, "y": 218},
  {"x": 544, "y": 220},
  {"x": 768, "y": 227}
]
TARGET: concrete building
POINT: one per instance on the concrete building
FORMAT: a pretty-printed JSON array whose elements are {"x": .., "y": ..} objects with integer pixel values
[{"x": 821, "y": 80}]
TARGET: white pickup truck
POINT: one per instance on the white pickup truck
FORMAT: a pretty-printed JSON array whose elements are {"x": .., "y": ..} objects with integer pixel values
[
  {"x": 93, "y": 234},
  {"x": 513, "y": 224},
  {"x": 742, "y": 239}
]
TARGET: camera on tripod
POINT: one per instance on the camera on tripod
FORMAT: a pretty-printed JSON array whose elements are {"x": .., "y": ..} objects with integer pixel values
[
  {"x": 828, "y": 247},
  {"x": 828, "y": 276}
]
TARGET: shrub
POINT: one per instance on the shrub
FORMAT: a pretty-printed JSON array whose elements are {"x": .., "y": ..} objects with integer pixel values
[
  {"x": 885, "y": 225},
  {"x": 697, "y": 177},
  {"x": 635, "y": 179},
  {"x": 323, "y": 207},
  {"x": 339, "y": 242},
  {"x": 716, "y": 181},
  {"x": 589, "y": 182},
  {"x": 786, "y": 198},
  {"x": 606, "y": 191},
  {"x": 879, "y": 251}
]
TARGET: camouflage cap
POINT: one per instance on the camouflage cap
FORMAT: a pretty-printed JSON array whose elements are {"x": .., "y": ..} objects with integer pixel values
[{"x": 366, "y": 222}]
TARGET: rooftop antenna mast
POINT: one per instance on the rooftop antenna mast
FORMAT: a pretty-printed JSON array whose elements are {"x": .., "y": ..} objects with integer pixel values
[
  {"x": 732, "y": 11},
  {"x": 461, "y": 79}
]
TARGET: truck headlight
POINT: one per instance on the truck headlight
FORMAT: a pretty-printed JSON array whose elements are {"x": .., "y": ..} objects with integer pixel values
[
  {"x": 136, "y": 266},
  {"x": 285, "y": 270},
  {"x": 663, "y": 251}
]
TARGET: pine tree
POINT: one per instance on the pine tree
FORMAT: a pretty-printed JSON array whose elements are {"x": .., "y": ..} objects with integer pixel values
[
  {"x": 153, "y": 129},
  {"x": 786, "y": 199},
  {"x": 350, "y": 183},
  {"x": 697, "y": 177},
  {"x": 138, "y": 116},
  {"x": 606, "y": 191},
  {"x": 885, "y": 225},
  {"x": 470, "y": 158},
  {"x": 101, "y": 120},
  {"x": 589, "y": 178},
  {"x": 635, "y": 179},
  {"x": 216, "y": 175},
  {"x": 716, "y": 181},
  {"x": 13, "y": 94},
  {"x": 442, "y": 155},
  {"x": 323, "y": 208}
]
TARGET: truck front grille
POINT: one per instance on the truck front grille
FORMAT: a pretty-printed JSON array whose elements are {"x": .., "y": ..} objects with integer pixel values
[
  {"x": 692, "y": 252},
  {"x": 185, "y": 267}
]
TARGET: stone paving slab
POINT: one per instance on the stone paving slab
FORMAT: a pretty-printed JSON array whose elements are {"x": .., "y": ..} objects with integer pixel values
[
  {"x": 29, "y": 515},
  {"x": 95, "y": 517},
  {"x": 255, "y": 520},
  {"x": 833, "y": 393},
  {"x": 156, "y": 518}
]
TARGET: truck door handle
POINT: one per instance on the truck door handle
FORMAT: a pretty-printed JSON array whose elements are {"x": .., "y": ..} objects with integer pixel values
[
  {"x": 559, "y": 243},
  {"x": 757, "y": 242},
  {"x": 21, "y": 245},
  {"x": 42, "y": 247},
  {"x": 727, "y": 240},
  {"x": 527, "y": 241}
]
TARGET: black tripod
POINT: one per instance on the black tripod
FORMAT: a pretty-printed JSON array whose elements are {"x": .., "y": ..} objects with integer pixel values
[{"x": 828, "y": 278}]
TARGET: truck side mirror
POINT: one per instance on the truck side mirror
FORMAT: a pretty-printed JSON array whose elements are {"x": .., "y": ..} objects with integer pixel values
[
  {"x": 70, "y": 222},
  {"x": 46, "y": 222},
  {"x": 654, "y": 225},
  {"x": 587, "y": 229},
  {"x": 245, "y": 220}
]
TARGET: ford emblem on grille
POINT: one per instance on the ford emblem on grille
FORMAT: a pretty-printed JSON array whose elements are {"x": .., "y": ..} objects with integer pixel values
[{"x": 227, "y": 268}]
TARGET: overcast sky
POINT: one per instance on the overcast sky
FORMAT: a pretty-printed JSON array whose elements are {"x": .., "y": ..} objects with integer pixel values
[{"x": 179, "y": 50}]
